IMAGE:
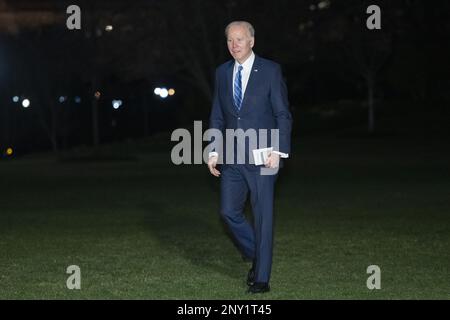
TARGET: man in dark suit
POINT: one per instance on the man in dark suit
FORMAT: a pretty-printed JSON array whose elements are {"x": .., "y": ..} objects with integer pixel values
[{"x": 250, "y": 94}]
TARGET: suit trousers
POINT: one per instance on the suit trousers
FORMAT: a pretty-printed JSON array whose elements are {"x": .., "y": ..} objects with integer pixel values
[{"x": 255, "y": 241}]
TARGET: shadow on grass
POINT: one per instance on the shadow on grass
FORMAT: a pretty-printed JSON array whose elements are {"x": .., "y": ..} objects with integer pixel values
[{"x": 195, "y": 239}]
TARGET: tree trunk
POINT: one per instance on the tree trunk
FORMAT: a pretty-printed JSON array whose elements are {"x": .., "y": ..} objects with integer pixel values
[
  {"x": 6, "y": 125},
  {"x": 95, "y": 129},
  {"x": 54, "y": 127},
  {"x": 95, "y": 99},
  {"x": 49, "y": 124},
  {"x": 371, "y": 103},
  {"x": 145, "y": 107}
]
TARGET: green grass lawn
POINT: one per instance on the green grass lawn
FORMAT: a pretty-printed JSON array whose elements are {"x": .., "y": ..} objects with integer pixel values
[{"x": 146, "y": 229}]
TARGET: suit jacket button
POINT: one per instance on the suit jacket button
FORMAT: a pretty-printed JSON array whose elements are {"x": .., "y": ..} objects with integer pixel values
[{"x": 239, "y": 118}]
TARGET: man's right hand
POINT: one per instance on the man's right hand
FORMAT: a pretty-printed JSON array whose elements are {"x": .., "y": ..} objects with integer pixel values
[{"x": 212, "y": 162}]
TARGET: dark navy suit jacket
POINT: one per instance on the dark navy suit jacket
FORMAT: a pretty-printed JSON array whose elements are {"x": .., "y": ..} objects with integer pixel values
[{"x": 265, "y": 104}]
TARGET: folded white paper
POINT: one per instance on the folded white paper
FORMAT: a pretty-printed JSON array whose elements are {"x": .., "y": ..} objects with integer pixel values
[{"x": 260, "y": 155}]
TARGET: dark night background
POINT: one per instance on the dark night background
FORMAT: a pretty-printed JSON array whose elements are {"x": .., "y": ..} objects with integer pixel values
[
  {"x": 81, "y": 183},
  {"x": 334, "y": 66}
]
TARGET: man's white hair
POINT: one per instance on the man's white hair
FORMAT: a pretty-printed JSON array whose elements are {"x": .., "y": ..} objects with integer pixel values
[{"x": 250, "y": 28}]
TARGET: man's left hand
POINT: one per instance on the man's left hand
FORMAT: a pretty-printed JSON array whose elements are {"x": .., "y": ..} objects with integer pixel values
[{"x": 273, "y": 160}]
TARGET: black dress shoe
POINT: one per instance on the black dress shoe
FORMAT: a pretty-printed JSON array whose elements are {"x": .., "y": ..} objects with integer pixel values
[{"x": 259, "y": 287}]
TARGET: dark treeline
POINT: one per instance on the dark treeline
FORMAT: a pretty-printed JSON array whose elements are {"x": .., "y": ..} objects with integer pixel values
[{"x": 339, "y": 73}]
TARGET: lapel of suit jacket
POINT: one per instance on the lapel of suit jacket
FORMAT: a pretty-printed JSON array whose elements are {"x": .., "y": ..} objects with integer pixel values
[{"x": 251, "y": 84}]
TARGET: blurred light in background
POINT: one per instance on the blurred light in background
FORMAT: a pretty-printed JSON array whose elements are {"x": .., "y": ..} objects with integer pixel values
[
  {"x": 164, "y": 93},
  {"x": 25, "y": 103},
  {"x": 15, "y": 99},
  {"x": 62, "y": 99},
  {"x": 109, "y": 28},
  {"x": 323, "y": 4},
  {"x": 116, "y": 104},
  {"x": 9, "y": 152},
  {"x": 97, "y": 95},
  {"x": 77, "y": 99}
]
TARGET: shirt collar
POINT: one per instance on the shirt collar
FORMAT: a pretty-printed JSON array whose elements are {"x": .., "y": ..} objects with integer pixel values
[{"x": 247, "y": 65}]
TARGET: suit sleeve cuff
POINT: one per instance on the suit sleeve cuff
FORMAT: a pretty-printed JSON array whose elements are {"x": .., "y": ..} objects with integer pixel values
[{"x": 213, "y": 154}]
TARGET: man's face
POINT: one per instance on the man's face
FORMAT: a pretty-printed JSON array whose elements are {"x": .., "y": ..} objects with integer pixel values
[{"x": 240, "y": 43}]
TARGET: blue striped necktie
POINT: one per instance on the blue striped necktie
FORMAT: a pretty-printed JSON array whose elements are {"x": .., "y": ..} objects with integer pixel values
[{"x": 237, "y": 96}]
